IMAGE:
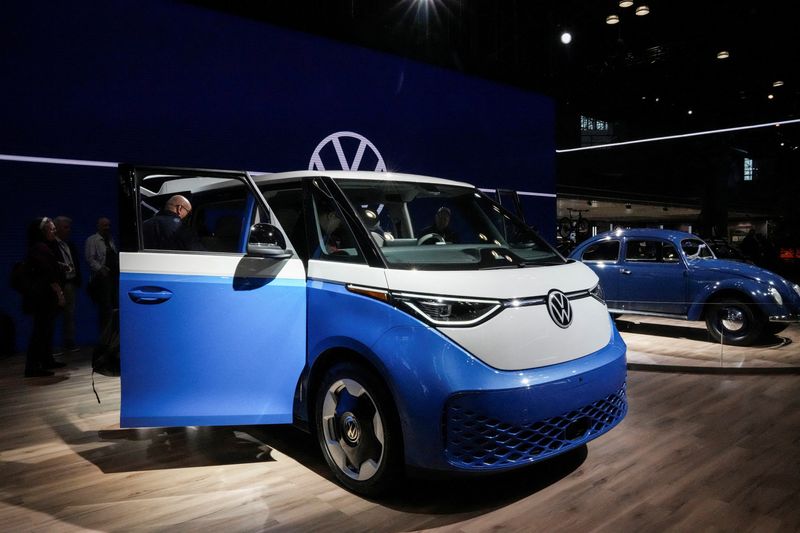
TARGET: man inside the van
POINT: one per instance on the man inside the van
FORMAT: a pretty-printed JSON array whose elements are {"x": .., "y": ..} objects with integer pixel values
[
  {"x": 167, "y": 230},
  {"x": 441, "y": 226}
]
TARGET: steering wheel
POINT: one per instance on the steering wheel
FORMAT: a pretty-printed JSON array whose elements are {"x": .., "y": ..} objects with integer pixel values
[{"x": 429, "y": 236}]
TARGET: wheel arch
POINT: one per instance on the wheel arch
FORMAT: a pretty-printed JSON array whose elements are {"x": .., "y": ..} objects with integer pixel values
[
  {"x": 327, "y": 359},
  {"x": 698, "y": 308}
]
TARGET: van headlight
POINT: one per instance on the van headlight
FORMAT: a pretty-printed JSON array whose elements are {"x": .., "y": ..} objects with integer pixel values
[
  {"x": 446, "y": 310},
  {"x": 772, "y": 291},
  {"x": 597, "y": 294}
]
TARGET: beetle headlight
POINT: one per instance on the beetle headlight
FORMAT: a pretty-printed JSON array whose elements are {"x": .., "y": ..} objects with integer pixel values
[
  {"x": 597, "y": 294},
  {"x": 447, "y": 311},
  {"x": 772, "y": 291}
]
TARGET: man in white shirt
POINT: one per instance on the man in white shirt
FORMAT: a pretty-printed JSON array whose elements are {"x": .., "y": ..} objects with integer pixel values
[
  {"x": 103, "y": 259},
  {"x": 68, "y": 260}
]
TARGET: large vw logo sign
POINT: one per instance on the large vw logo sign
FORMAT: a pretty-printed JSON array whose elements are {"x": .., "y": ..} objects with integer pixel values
[
  {"x": 559, "y": 308},
  {"x": 345, "y": 150}
]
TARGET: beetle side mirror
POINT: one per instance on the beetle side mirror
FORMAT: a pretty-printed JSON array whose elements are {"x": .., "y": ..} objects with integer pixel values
[{"x": 267, "y": 241}]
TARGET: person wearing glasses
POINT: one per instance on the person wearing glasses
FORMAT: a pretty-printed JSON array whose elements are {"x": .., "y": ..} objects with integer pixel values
[
  {"x": 103, "y": 258},
  {"x": 168, "y": 229}
]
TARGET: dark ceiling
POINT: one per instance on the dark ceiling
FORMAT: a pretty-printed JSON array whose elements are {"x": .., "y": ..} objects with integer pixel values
[{"x": 642, "y": 75}]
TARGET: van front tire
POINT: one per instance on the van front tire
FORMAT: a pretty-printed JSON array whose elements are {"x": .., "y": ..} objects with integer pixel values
[{"x": 357, "y": 430}]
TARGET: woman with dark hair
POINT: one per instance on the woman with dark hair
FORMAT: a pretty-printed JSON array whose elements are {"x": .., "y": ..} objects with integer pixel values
[{"x": 43, "y": 299}]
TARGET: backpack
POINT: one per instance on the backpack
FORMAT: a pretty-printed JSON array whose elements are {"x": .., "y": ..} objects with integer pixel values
[{"x": 21, "y": 279}]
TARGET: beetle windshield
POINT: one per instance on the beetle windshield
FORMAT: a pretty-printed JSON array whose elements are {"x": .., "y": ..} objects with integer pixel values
[
  {"x": 436, "y": 226},
  {"x": 696, "y": 249}
]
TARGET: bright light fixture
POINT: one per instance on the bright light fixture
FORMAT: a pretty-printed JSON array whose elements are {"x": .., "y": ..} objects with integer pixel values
[
  {"x": 690, "y": 112},
  {"x": 566, "y": 37},
  {"x": 770, "y": 96},
  {"x": 642, "y": 10},
  {"x": 777, "y": 83},
  {"x": 625, "y": 3},
  {"x": 612, "y": 19},
  {"x": 723, "y": 54}
]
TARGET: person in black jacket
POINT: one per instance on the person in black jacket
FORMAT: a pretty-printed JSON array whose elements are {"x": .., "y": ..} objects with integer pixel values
[
  {"x": 69, "y": 261},
  {"x": 167, "y": 231},
  {"x": 44, "y": 297}
]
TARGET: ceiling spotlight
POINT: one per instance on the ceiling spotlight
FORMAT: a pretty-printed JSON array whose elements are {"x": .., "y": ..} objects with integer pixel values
[
  {"x": 723, "y": 54},
  {"x": 777, "y": 83},
  {"x": 657, "y": 98},
  {"x": 625, "y": 3},
  {"x": 770, "y": 96},
  {"x": 642, "y": 10},
  {"x": 566, "y": 37},
  {"x": 612, "y": 19},
  {"x": 690, "y": 112}
]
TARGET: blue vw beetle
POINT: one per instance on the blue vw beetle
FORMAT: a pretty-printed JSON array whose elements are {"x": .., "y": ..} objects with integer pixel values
[{"x": 675, "y": 274}]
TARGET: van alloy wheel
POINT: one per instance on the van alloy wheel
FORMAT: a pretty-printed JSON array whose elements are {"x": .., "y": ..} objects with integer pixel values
[{"x": 358, "y": 430}]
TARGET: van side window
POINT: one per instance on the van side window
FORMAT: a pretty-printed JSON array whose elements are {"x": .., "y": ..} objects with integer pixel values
[
  {"x": 287, "y": 206},
  {"x": 182, "y": 213},
  {"x": 602, "y": 251},
  {"x": 331, "y": 237}
]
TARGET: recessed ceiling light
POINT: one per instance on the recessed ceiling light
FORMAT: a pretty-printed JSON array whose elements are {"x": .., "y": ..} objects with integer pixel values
[
  {"x": 612, "y": 19},
  {"x": 777, "y": 83},
  {"x": 657, "y": 98},
  {"x": 689, "y": 112},
  {"x": 723, "y": 54},
  {"x": 625, "y": 3},
  {"x": 566, "y": 37},
  {"x": 642, "y": 10},
  {"x": 770, "y": 96}
]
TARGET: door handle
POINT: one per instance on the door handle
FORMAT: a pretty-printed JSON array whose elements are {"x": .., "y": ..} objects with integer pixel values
[
  {"x": 149, "y": 295},
  {"x": 624, "y": 271}
]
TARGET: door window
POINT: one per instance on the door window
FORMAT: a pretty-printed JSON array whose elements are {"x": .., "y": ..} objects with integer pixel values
[
  {"x": 331, "y": 238},
  {"x": 602, "y": 251},
  {"x": 651, "y": 251},
  {"x": 188, "y": 213}
]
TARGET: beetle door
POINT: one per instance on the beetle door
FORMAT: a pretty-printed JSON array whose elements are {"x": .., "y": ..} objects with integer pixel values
[
  {"x": 209, "y": 335},
  {"x": 652, "y": 278}
]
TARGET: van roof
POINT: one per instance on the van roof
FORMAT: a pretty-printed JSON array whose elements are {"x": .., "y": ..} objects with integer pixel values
[{"x": 355, "y": 175}]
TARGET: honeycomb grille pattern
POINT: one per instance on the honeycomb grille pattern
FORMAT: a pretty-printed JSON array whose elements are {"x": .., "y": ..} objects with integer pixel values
[{"x": 477, "y": 441}]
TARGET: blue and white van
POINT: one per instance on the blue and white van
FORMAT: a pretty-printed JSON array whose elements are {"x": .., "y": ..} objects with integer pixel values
[{"x": 408, "y": 322}]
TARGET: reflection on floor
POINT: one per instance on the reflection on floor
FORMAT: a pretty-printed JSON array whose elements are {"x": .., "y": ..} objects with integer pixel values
[{"x": 664, "y": 341}]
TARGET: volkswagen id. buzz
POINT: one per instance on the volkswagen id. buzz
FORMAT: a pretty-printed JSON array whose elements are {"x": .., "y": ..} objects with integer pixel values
[{"x": 408, "y": 322}]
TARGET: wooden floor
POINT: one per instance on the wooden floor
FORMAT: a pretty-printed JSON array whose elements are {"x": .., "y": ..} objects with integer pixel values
[
  {"x": 695, "y": 453},
  {"x": 665, "y": 341}
]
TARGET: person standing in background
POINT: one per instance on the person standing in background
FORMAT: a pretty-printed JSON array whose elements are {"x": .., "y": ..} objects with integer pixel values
[
  {"x": 43, "y": 299},
  {"x": 69, "y": 261},
  {"x": 103, "y": 259}
]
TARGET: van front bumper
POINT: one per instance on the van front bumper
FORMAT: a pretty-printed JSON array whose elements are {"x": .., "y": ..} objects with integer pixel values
[{"x": 458, "y": 414}]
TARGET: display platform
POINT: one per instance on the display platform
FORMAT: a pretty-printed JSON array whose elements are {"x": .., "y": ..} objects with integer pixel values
[{"x": 678, "y": 343}]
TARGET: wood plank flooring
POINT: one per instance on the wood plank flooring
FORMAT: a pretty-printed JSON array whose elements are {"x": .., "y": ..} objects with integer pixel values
[
  {"x": 665, "y": 341},
  {"x": 695, "y": 453}
]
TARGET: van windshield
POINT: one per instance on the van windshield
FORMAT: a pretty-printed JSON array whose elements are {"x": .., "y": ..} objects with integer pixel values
[{"x": 431, "y": 226}]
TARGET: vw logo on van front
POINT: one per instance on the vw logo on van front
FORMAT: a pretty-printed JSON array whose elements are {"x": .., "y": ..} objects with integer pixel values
[
  {"x": 349, "y": 157},
  {"x": 559, "y": 308}
]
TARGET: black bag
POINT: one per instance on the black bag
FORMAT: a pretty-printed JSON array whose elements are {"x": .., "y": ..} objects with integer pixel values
[
  {"x": 21, "y": 279},
  {"x": 95, "y": 287},
  {"x": 105, "y": 357}
]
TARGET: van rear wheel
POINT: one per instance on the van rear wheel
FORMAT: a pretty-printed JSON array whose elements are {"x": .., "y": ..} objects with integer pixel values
[{"x": 357, "y": 431}]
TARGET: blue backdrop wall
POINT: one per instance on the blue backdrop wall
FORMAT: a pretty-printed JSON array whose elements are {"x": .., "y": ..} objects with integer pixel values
[{"x": 173, "y": 84}]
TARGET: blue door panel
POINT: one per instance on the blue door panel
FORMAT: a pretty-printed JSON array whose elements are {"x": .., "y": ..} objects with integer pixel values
[{"x": 210, "y": 354}]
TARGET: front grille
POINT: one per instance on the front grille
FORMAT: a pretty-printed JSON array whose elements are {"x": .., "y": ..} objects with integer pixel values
[{"x": 475, "y": 440}]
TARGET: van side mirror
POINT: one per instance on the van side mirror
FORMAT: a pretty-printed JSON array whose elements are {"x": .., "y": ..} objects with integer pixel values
[{"x": 267, "y": 241}]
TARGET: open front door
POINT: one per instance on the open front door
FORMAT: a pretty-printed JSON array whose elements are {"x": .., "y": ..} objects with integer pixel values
[{"x": 209, "y": 335}]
